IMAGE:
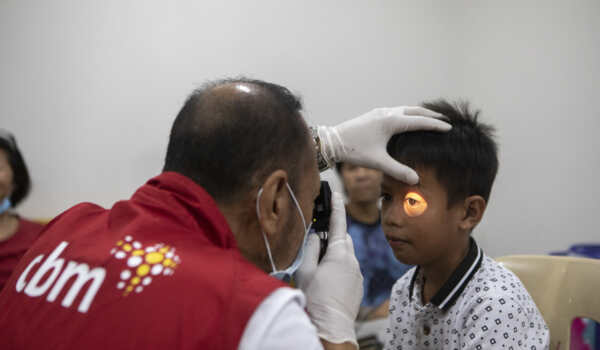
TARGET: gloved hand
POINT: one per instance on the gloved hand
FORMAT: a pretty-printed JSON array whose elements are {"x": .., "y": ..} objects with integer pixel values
[
  {"x": 363, "y": 140},
  {"x": 334, "y": 287}
]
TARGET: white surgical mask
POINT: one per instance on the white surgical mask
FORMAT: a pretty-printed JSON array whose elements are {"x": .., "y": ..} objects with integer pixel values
[{"x": 285, "y": 275}]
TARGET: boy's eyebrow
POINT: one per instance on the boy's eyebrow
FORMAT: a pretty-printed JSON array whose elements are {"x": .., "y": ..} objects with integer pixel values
[{"x": 388, "y": 184}]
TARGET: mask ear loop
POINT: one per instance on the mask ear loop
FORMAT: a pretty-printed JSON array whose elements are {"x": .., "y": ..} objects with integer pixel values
[
  {"x": 260, "y": 191},
  {"x": 297, "y": 206}
]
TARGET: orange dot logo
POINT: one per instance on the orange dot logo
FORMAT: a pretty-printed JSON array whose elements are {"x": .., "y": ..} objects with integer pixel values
[
  {"x": 143, "y": 270},
  {"x": 143, "y": 264},
  {"x": 154, "y": 258}
]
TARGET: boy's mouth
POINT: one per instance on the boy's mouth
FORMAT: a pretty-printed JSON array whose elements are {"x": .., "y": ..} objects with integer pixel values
[{"x": 396, "y": 241}]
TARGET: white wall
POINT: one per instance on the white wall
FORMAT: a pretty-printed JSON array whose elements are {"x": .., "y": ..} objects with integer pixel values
[
  {"x": 91, "y": 88},
  {"x": 534, "y": 69}
]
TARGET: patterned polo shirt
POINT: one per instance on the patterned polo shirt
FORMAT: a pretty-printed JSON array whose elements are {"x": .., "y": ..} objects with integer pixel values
[{"x": 481, "y": 306}]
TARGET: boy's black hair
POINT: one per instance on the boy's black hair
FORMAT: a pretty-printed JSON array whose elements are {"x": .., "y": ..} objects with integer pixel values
[
  {"x": 464, "y": 159},
  {"x": 21, "y": 179}
]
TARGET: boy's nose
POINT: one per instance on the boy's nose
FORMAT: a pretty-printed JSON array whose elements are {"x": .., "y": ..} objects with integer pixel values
[{"x": 393, "y": 215}]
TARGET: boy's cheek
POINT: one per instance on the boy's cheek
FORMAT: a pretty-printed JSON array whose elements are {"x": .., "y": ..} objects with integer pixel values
[{"x": 392, "y": 213}]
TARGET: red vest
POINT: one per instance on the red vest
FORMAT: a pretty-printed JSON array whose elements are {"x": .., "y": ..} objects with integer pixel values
[
  {"x": 13, "y": 249},
  {"x": 158, "y": 271}
]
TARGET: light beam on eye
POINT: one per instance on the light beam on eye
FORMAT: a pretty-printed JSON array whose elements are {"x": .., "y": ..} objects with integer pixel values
[{"x": 414, "y": 204}]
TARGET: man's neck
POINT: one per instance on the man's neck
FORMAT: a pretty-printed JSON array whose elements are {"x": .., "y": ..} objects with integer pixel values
[
  {"x": 249, "y": 239},
  {"x": 438, "y": 272},
  {"x": 365, "y": 212},
  {"x": 8, "y": 225}
]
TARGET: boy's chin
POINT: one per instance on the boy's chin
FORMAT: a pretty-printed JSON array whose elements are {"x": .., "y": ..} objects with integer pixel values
[{"x": 406, "y": 260}]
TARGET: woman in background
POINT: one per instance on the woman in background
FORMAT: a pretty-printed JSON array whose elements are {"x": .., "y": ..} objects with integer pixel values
[{"x": 16, "y": 233}]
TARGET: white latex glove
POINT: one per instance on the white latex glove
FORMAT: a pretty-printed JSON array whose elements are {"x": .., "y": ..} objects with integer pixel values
[
  {"x": 334, "y": 287},
  {"x": 363, "y": 140}
]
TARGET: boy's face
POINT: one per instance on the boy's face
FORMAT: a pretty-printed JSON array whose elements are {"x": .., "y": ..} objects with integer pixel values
[{"x": 416, "y": 220}]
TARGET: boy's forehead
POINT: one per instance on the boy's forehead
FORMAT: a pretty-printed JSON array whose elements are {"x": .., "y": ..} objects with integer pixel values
[
  {"x": 426, "y": 179},
  {"x": 391, "y": 182}
]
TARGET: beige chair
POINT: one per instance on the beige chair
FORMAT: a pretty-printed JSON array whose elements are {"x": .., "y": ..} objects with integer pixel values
[{"x": 562, "y": 287}]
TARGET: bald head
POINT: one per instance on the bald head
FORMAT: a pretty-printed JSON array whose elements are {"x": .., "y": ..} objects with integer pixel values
[{"x": 231, "y": 133}]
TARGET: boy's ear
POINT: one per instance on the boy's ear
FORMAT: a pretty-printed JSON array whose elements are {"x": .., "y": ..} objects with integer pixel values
[{"x": 473, "y": 206}]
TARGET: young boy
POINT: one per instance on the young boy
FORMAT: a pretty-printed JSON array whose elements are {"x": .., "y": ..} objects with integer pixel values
[{"x": 455, "y": 297}]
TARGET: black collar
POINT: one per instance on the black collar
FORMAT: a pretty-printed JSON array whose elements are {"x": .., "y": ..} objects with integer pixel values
[{"x": 457, "y": 282}]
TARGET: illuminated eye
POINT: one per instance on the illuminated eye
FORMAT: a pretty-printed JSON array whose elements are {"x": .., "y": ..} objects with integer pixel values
[{"x": 414, "y": 204}]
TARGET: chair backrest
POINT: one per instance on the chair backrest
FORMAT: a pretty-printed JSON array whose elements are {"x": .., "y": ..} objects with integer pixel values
[{"x": 562, "y": 287}]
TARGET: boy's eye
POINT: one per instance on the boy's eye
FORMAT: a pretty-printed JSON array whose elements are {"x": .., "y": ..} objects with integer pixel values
[{"x": 414, "y": 204}]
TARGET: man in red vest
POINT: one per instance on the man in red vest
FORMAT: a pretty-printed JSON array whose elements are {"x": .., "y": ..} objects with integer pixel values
[{"x": 195, "y": 258}]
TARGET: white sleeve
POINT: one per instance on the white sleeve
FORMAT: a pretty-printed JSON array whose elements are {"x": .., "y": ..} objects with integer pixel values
[{"x": 279, "y": 322}]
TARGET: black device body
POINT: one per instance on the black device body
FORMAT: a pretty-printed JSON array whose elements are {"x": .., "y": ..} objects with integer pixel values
[{"x": 321, "y": 215}]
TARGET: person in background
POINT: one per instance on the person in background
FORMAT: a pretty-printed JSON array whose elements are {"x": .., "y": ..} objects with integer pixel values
[
  {"x": 16, "y": 233},
  {"x": 378, "y": 265}
]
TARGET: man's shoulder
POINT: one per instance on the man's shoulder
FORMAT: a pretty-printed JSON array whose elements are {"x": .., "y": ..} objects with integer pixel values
[
  {"x": 269, "y": 326},
  {"x": 75, "y": 214}
]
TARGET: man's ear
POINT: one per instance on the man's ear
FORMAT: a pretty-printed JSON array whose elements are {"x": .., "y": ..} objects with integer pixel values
[
  {"x": 473, "y": 206},
  {"x": 274, "y": 203}
]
